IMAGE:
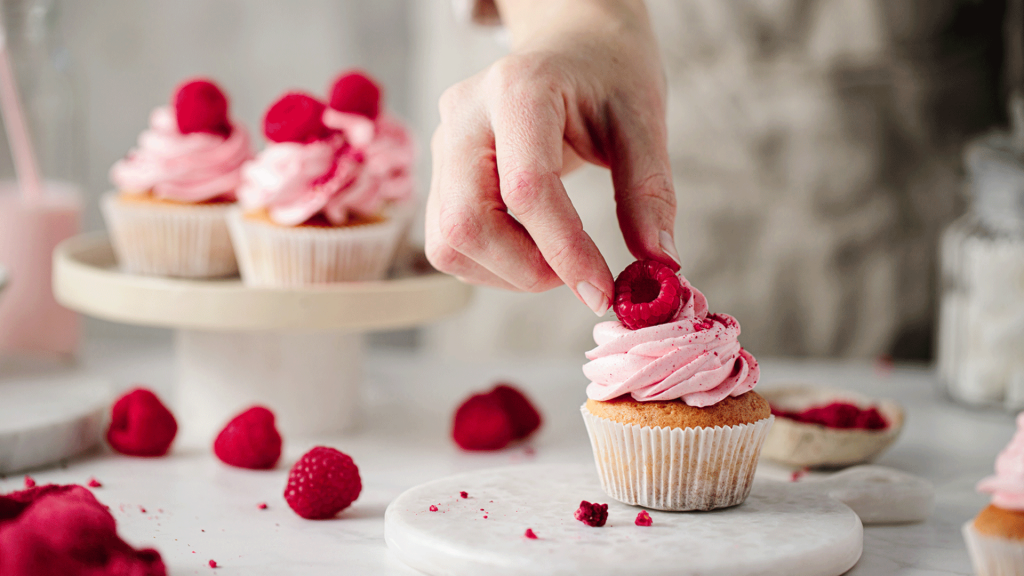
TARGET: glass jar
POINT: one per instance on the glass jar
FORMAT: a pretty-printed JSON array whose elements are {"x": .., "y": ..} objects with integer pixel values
[{"x": 981, "y": 323}]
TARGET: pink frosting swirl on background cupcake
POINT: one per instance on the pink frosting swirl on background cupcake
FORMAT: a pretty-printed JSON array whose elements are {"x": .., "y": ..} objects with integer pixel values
[
  {"x": 1007, "y": 486},
  {"x": 190, "y": 168},
  {"x": 351, "y": 173},
  {"x": 696, "y": 357}
]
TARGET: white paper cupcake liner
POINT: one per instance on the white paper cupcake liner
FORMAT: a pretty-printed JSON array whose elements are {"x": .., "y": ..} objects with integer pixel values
[
  {"x": 278, "y": 256},
  {"x": 993, "y": 556},
  {"x": 187, "y": 241},
  {"x": 676, "y": 468}
]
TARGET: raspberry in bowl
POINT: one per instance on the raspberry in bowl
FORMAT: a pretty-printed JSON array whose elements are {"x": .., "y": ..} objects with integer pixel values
[{"x": 671, "y": 377}]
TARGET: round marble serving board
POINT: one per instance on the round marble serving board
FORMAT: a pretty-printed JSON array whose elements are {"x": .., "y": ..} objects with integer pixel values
[
  {"x": 780, "y": 529},
  {"x": 45, "y": 418}
]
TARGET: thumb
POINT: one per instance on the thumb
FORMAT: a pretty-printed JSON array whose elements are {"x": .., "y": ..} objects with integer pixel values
[{"x": 645, "y": 198}]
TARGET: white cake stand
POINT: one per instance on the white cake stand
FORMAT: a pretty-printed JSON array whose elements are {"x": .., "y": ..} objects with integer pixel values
[{"x": 297, "y": 351}]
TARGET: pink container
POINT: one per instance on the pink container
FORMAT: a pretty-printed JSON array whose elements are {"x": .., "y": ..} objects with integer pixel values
[{"x": 30, "y": 318}]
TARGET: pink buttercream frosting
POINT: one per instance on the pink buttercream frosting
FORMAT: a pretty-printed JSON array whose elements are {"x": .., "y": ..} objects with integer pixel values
[
  {"x": 1007, "y": 486},
  {"x": 188, "y": 168},
  {"x": 695, "y": 357},
  {"x": 363, "y": 166}
]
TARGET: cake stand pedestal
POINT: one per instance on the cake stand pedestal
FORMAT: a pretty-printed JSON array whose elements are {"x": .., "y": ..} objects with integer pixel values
[{"x": 297, "y": 351}]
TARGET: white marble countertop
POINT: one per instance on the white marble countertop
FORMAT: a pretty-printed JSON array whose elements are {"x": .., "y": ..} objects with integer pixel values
[{"x": 197, "y": 509}]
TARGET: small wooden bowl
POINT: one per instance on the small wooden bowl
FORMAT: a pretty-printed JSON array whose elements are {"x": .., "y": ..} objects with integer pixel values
[{"x": 817, "y": 446}]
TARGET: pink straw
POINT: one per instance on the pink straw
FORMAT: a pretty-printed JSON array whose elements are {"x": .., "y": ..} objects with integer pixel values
[{"x": 25, "y": 165}]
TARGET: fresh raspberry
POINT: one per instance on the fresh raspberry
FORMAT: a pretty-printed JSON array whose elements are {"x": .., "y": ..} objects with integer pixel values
[
  {"x": 647, "y": 293},
  {"x": 250, "y": 440},
  {"x": 295, "y": 117},
  {"x": 592, "y": 514},
  {"x": 140, "y": 425},
  {"x": 200, "y": 106},
  {"x": 643, "y": 519},
  {"x": 30, "y": 482},
  {"x": 322, "y": 483},
  {"x": 94, "y": 483},
  {"x": 357, "y": 93},
  {"x": 464, "y": 494},
  {"x": 482, "y": 423},
  {"x": 529, "y": 534},
  {"x": 525, "y": 418}
]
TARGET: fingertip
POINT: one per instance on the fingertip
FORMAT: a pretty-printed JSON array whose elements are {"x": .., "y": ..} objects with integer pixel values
[{"x": 668, "y": 248}]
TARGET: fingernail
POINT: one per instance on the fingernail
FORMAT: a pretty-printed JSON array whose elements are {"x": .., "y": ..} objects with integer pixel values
[
  {"x": 668, "y": 246},
  {"x": 593, "y": 298}
]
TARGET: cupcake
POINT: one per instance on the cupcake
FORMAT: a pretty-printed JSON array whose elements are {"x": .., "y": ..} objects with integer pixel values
[
  {"x": 995, "y": 538},
  {"x": 331, "y": 195},
  {"x": 174, "y": 191},
  {"x": 672, "y": 417}
]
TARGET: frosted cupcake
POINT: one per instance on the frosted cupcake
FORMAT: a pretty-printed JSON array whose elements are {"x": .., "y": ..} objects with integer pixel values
[
  {"x": 671, "y": 414},
  {"x": 175, "y": 189},
  {"x": 995, "y": 538},
  {"x": 329, "y": 198}
]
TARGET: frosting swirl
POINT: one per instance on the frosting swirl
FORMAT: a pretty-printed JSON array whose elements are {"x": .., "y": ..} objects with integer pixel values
[
  {"x": 696, "y": 358},
  {"x": 190, "y": 168},
  {"x": 1007, "y": 486},
  {"x": 356, "y": 171}
]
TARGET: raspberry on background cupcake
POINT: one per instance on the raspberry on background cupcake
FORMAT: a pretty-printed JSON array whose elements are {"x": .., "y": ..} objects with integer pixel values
[
  {"x": 672, "y": 417},
  {"x": 168, "y": 216},
  {"x": 330, "y": 196},
  {"x": 995, "y": 538}
]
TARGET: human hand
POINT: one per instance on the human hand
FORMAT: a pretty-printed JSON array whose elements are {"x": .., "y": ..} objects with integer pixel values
[{"x": 583, "y": 81}]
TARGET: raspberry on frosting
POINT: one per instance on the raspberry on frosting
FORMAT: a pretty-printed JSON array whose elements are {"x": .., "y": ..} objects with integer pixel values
[
  {"x": 592, "y": 514},
  {"x": 250, "y": 440},
  {"x": 355, "y": 92},
  {"x": 200, "y": 106},
  {"x": 322, "y": 483},
  {"x": 295, "y": 117},
  {"x": 647, "y": 293},
  {"x": 140, "y": 425}
]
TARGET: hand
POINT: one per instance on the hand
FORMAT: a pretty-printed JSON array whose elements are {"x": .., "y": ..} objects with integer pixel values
[{"x": 584, "y": 81}]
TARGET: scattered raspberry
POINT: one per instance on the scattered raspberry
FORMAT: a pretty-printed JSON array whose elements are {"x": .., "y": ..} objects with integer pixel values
[
  {"x": 140, "y": 425},
  {"x": 529, "y": 534},
  {"x": 357, "y": 93},
  {"x": 295, "y": 117},
  {"x": 463, "y": 494},
  {"x": 30, "y": 482},
  {"x": 200, "y": 106},
  {"x": 491, "y": 420},
  {"x": 213, "y": 563},
  {"x": 592, "y": 514},
  {"x": 250, "y": 440},
  {"x": 262, "y": 505},
  {"x": 94, "y": 483},
  {"x": 433, "y": 508},
  {"x": 647, "y": 293},
  {"x": 841, "y": 415},
  {"x": 644, "y": 519},
  {"x": 525, "y": 418},
  {"x": 322, "y": 483},
  {"x": 141, "y": 509}
]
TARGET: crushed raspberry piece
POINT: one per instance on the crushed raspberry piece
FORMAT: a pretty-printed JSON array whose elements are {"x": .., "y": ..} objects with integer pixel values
[
  {"x": 433, "y": 508},
  {"x": 200, "y": 106},
  {"x": 357, "y": 93},
  {"x": 529, "y": 534},
  {"x": 322, "y": 483},
  {"x": 140, "y": 425},
  {"x": 491, "y": 420},
  {"x": 524, "y": 416},
  {"x": 30, "y": 482},
  {"x": 94, "y": 483},
  {"x": 295, "y": 117},
  {"x": 142, "y": 510},
  {"x": 262, "y": 505},
  {"x": 250, "y": 440},
  {"x": 213, "y": 563},
  {"x": 647, "y": 293},
  {"x": 643, "y": 519},
  {"x": 798, "y": 474},
  {"x": 463, "y": 494},
  {"x": 592, "y": 514},
  {"x": 842, "y": 415}
]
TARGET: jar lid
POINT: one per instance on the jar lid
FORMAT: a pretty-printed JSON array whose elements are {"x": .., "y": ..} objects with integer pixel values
[{"x": 995, "y": 167}]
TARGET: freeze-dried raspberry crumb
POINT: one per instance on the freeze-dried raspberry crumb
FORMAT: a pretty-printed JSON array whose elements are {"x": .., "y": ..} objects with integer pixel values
[
  {"x": 592, "y": 514},
  {"x": 140, "y": 425},
  {"x": 798, "y": 474},
  {"x": 433, "y": 508},
  {"x": 529, "y": 534},
  {"x": 250, "y": 440},
  {"x": 213, "y": 563},
  {"x": 94, "y": 483},
  {"x": 141, "y": 509},
  {"x": 30, "y": 482},
  {"x": 841, "y": 415},
  {"x": 647, "y": 293},
  {"x": 643, "y": 519},
  {"x": 262, "y": 505},
  {"x": 322, "y": 483},
  {"x": 464, "y": 494}
]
